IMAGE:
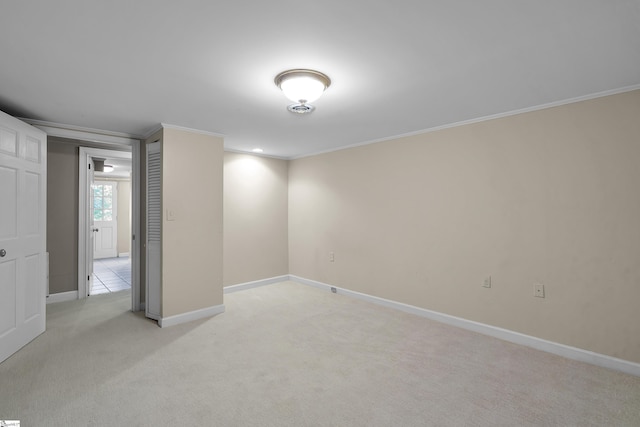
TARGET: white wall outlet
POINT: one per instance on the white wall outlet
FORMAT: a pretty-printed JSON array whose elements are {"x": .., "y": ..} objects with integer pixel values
[
  {"x": 332, "y": 257},
  {"x": 487, "y": 282},
  {"x": 538, "y": 290},
  {"x": 171, "y": 215}
]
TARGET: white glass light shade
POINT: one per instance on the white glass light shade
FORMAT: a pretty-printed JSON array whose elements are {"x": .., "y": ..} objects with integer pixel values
[
  {"x": 302, "y": 89},
  {"x": 302, "y": 86},
  {"x": 108, "y": 168}
]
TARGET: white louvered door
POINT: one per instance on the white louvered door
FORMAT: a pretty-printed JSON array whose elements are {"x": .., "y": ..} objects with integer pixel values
[{"x": 154, "y": 231}]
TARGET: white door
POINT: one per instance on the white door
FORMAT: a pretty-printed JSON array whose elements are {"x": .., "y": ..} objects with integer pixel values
[
  {"x": 153, "y": 305},
  {"x": 23, "y": 188},
  {"x": 105, "y": 221}
]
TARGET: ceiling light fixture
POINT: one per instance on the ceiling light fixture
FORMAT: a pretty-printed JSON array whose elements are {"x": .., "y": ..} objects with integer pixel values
[
  {"x": 257, "y": 150},
  {"x": 302, "y": 87},
  {"x": 108, "y": 168}
]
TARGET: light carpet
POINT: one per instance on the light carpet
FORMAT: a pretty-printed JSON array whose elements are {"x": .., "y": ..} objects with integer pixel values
[{"x": 292, "y": 355}]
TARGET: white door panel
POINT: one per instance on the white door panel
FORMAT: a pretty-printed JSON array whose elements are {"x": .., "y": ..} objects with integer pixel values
[
  {"x": 31, "y": 200},
  {"x": 104, "y": 239},
  {"x": 154, "y": 231},
  {"x": 8, "y": 292},
  {"x": 32, "y": 290},
  {"x": 8, "y": 141},
  {"x": 8, "y": 213},
  {"x": 22, "y": 234},
  {"x": 105, "y": 220}
]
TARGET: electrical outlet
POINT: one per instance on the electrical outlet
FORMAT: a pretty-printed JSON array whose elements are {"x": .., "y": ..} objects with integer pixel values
[
  {"x": 487, "y": 282},
  {"x": 332, "y": 257},
  {"x": 538, "y": 290}
]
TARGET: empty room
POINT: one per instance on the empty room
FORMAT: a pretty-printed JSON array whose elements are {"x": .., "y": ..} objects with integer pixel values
[{"x": 339, "y": 214}]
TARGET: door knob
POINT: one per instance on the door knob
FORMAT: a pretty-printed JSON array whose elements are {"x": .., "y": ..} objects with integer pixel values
[{"x": 2, "y": 253}]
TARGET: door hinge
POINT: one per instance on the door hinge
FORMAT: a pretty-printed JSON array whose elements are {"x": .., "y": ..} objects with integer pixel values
[
  {"x": 89, "y": 165},
  {"x": 133, "y": 237},
  {"x": 88, "y": 277}
]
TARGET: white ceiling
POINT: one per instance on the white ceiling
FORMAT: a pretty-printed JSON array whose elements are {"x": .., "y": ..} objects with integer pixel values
[{"x": 397, "y": 66}]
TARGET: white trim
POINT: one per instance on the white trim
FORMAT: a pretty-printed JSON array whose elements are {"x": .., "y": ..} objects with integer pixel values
[
  {"x": 251, "y": 153},
  {"x": 83, "y": 210},
  {"x": 135, "y": 245},
  {"x": 123, "y": 254},
  {"x": 112, "y": 178},
  {"x": 477, "y": 120},
  {"x": 255, "y": 284},
  {"x": 46, "y": 270},
  {"x": 62, "y": 297},
  {"x": 569, "y": 352},
  {"x": 182, "y": 128},
  {"x": 84, "y": 134},
  {"x": 190, "y": 316},
  {"x": 83, "y": 207}
]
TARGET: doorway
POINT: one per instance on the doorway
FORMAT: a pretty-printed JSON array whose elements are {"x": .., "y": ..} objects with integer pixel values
[
  {"x": 110, "y": 206},
  {"x": 101, "y": 192}
]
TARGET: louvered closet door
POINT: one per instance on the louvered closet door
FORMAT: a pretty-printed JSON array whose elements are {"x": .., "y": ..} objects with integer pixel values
[{"x": 154, "y": 231}]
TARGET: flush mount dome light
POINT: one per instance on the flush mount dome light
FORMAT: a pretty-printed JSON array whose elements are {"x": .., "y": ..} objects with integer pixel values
[{"x": 302, "y": 87}]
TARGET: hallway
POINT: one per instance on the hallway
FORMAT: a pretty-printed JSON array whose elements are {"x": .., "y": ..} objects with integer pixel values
[{"x": 111, "y": 275}]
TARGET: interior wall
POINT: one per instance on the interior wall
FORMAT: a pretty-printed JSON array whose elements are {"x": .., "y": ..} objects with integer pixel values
[
  {"x": 547, "y": 197},
  {"x": 62, "y": 215},
  {"x": 124, "y": 217},
  {"x": 192, "y": 168},
  {"x": 255, "y": 218}
]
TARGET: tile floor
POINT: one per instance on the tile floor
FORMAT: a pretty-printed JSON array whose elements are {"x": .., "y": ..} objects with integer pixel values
[{"x": 111, "y": 275}]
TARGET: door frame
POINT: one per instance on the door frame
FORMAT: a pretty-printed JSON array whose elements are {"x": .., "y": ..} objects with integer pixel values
[
  {"x": 108, "y": 139},
  {"x": 86, "y": 154}
]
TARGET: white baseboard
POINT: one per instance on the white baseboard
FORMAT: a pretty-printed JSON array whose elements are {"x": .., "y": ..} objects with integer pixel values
[
  {"x": 164, "y": 322},
  {"x": 62, "y": 296},
  {"x": 123, "y": 254},
  {"x": 255, "y": 284},
  {"x": 503, "y": 334}
]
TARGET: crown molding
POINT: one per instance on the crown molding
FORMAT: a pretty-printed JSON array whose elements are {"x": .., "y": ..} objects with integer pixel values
[
  {"x": 479, "y": 119},
  {"x": 186, "y": 129},
  {"x": 251, "y": 153},
  {"x": 83, "y": 133}
]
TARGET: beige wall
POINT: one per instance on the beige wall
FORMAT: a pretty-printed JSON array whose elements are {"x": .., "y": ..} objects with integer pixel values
[
  {"x": 255, "y": 218},
  {"x": 549, "y": 196},
  {"x": 192, "y": 168}
]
